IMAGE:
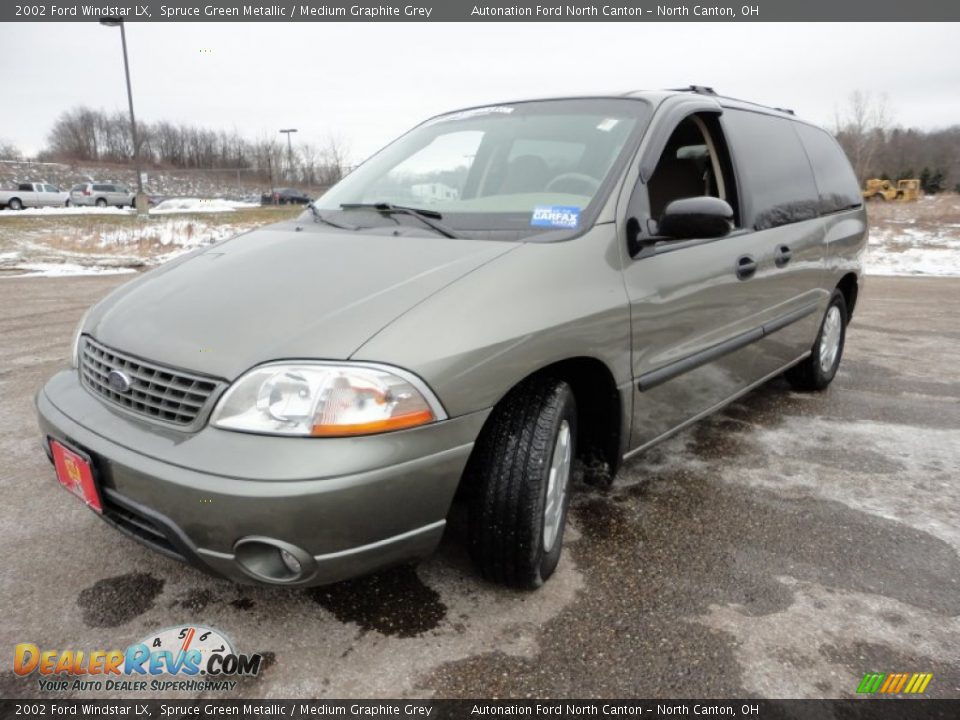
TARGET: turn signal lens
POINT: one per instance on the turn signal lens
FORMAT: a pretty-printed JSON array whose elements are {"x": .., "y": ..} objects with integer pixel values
[{"x": 325, "y": 400}]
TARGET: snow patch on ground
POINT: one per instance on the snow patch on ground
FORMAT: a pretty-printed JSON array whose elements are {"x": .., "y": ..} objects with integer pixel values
[
  {"x": 179, "y": 205},
  {"x": 118, "y": 249},
  {"x": 891, "y": 461},
  {"x": 66, "y": 269},
  {"x": 70, "y": 210},
  {"x": 800, "y": 638},
  {"x": 179, "y": 232},
  {"x": 911, "y": 251},
  {"x": 174, "y": 205}
]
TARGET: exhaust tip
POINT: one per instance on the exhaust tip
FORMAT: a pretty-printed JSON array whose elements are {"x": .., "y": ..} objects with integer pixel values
[{"x": 273, "y": 561}]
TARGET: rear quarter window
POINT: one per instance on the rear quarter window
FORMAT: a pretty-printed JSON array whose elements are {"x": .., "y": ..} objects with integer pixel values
[
  {"x": 777, "y": 184},
  {"x": 836, "y": 182},
  {"x": 103, "y": 188}
]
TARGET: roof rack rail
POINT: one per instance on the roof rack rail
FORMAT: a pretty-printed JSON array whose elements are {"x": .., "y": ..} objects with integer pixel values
[
  {"x": 698, "y": 89},
  {"x": 788, "y": 111}
]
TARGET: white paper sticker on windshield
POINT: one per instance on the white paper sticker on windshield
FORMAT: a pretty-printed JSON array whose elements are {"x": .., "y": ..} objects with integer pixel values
[{"x": 608, "y": 124}]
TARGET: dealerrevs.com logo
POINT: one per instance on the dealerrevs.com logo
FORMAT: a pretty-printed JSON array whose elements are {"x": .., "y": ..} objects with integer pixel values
[{"x": 192, "y": 658}]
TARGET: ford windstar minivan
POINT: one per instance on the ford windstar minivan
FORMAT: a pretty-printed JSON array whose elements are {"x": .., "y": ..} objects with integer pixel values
[{"x": 501, "y": 295}]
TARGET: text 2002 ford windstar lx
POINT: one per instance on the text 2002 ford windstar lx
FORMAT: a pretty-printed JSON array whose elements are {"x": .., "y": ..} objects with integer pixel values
[{"x": 501, "y": 292}]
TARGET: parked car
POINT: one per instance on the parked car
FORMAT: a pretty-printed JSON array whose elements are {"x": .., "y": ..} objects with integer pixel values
[
  {"x": 33, "y": 195},
  {"x": 285, "y": 196},
  {"x": 302, "y": 404},
  {"x": 102, "y": 195}
]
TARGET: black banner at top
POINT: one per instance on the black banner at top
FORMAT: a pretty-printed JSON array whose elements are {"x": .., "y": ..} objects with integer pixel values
[{"x": 485, "y": 11}]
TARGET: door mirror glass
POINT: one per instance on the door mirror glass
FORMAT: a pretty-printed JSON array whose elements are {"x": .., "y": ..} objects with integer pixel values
[{"x": 696, "y": 217}]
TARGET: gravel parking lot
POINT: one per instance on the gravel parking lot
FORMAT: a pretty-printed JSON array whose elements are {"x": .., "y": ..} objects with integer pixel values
[{"x": 780, "y": 549}]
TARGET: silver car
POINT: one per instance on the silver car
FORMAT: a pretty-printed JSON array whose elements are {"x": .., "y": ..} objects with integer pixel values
[
  {"x": 102, "y": 195},
  {"x": 502, "y": 295}
]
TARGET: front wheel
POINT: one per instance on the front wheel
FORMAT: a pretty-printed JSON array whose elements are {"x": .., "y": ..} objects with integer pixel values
[
  {"x": 519, "y": 483},
  {"x": 819, "y": 369}
]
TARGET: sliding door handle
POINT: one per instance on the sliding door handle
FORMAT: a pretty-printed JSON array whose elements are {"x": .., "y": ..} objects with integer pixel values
[
  {"x": 746, "y": 267},
  {"x": 781, "y": 256}
]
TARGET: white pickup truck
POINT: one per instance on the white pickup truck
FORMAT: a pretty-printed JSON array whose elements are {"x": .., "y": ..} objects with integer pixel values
[{"x": 33, "y": 195}]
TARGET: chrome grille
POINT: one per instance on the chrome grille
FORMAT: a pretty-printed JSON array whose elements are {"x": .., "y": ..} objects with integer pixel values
[{"x": 156, "y": 392}]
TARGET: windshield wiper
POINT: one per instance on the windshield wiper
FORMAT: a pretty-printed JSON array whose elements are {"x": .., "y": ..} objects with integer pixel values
[
  {"x": 317, "y": 217},
  {"x": 427, "y": 217}
]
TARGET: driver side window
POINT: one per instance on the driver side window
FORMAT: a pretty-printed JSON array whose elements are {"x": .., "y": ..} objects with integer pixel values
[{"x": 694, "y": 163}]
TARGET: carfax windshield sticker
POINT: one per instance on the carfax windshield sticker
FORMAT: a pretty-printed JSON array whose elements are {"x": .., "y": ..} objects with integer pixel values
[
  {"x": 556, "y": 216},
  {"x": 191, "y": 658}
]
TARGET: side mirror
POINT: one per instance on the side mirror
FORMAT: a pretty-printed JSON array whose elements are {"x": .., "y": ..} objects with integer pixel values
[{"x": 696, "y": 217}]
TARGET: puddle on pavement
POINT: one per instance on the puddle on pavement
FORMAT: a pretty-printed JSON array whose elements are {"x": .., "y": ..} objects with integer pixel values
[
  {"x": 114, "y": 601},
  {"x": 395, "y": 603}
]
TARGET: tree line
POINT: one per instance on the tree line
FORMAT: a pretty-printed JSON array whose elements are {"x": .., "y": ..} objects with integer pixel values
[
  {"x": 878, "y": 148},
  {"x": 84, "y": 134}
]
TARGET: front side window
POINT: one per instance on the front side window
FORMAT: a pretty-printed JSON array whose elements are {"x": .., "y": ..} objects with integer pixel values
[
  {"x": 694, "y": 163},
  {"x": 504, "y": 171}
]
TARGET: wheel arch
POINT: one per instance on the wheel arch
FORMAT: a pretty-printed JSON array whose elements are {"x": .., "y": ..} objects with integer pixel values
[
  {"x": 599, "y": 413},
  {"x": 849, "y": 286}
]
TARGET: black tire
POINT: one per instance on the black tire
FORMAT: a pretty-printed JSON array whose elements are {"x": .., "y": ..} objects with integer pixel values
[
  {"x": 14, "y": 204},
  {"x": 810, "y": 375},
  {"x": 507, "y": 480},
  {"x": 101, "y": 202},
  {"x": 67, "y": 203}
]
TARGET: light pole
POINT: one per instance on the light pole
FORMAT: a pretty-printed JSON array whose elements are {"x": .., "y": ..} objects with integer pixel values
[
  {"x": 141, "y": 201},
  {"x": 288, "y": 132}
]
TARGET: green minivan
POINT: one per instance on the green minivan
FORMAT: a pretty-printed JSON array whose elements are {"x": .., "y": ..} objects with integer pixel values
[{"x": 500, "y": 297}]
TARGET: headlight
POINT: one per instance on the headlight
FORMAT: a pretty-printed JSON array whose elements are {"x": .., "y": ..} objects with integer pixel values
[
  {"x": 75, "y": 351},
  {"x": 326, "y": 400}
]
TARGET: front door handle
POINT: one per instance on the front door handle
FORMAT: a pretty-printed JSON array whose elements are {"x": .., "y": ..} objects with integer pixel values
[
  {"x": 782, "y": 256},
  {"x": 746, "y": 267}
]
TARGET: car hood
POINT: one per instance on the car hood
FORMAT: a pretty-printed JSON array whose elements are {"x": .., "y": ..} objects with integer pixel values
[{"x": 279, "y": 293}]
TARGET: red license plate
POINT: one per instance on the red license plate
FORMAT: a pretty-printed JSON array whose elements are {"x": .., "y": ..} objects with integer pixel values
[{"x": 75, "y": 473}]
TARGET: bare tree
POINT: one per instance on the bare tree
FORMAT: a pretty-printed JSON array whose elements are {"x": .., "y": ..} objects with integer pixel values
[
  {"x": 310, "y": 159},
  {"x": 83, "y": 134},
  {"x": 861, "y": 128},
  {"x": 333, "y": 161},
  {"x": 9, "y": 151}
]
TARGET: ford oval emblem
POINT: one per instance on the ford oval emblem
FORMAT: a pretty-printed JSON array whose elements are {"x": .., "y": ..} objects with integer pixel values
[{"x": 118, "y": 381}]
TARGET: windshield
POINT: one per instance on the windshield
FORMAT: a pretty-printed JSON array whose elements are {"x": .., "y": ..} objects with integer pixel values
[{"x": 505, "y": 170}]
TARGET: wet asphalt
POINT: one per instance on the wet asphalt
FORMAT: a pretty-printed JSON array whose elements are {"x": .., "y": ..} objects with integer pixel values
[{"x": 781, "y": 548}]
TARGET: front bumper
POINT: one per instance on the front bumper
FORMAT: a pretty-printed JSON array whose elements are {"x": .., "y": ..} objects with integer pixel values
[{"x": 350, "y": 505}]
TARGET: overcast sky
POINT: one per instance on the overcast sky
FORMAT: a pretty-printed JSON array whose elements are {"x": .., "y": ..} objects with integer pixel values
[{"x": 367, "y": 83}]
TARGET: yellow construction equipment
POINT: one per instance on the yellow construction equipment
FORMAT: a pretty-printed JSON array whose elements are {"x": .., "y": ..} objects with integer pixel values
[{"x": 904, "y": 190}]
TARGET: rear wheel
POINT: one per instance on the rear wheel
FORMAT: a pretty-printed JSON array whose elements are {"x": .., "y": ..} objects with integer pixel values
[
  {"x": 14, "y": 204},
  {"x": 519, "y": 482},
  {"x": 819, "y": 369},
  {"x": 101, "y": 202}
]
